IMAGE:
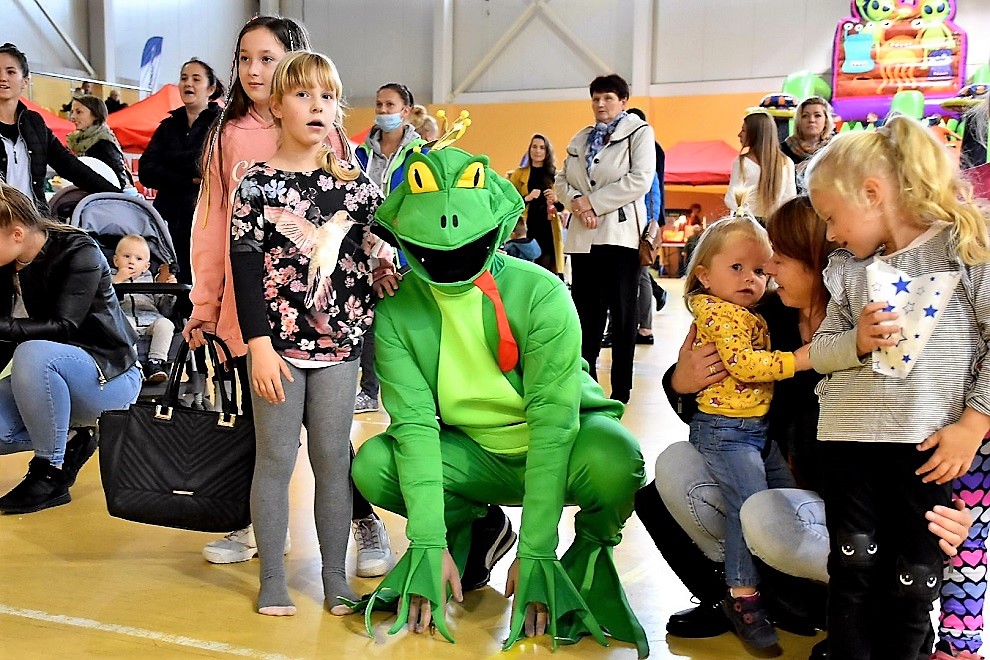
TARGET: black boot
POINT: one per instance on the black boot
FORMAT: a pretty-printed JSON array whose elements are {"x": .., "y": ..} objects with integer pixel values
[
  {"x": 78, "y": 450},
  {"x": 705, "y": 620},
  {"x": 659, "y": 294},
  {"x": 43, "y": 486}
]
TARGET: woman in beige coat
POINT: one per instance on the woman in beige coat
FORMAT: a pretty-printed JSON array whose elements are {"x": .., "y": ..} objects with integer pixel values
[{"x": 608, "y": 171}]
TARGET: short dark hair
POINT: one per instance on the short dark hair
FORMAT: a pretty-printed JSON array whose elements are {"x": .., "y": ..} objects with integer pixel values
[
  {"x": 613, "y": 82},
  {"x": 16, "y": 53}
]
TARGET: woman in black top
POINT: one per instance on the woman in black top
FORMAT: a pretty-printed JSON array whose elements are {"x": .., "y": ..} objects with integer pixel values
[
  {"x": 534, "y": 181},
  {"x": 172, "y": 162},
  {"x": 29, "y": 146},
  {"x": 71, "y": 348}
]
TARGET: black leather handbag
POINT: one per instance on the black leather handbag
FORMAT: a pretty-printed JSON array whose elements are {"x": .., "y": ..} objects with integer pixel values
[{"x": 163, "y": 464}]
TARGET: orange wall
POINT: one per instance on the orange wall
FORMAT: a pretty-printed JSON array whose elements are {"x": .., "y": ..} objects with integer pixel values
[{"x": 502, "y": 130}]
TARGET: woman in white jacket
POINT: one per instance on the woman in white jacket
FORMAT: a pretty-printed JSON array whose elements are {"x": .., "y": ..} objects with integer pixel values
[{"x": 608, "y": 171}]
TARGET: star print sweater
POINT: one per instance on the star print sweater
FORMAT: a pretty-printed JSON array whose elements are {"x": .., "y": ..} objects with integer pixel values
[
  {"x": 860, "y": 405},
  {"x": 303, "y": 260},
  {"x": 743, "y": 342}
]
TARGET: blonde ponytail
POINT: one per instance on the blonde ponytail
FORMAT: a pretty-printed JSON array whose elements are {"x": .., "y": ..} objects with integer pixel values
[{"x": 928, "y": 183}]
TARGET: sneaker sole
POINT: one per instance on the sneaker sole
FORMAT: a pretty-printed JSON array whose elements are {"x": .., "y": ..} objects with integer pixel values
[
  {"x": 156, "y": 378},
  {"x": 216, "y": 558},
  {"x": 503, "y": 543},
  {"x": 376, "y": 569},
  {"x": 58, "y": 501},
  {"x": 364, "y": 410}
]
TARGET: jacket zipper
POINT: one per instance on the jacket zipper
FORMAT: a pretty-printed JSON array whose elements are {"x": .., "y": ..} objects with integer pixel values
[{"x": 102, "y": 379}]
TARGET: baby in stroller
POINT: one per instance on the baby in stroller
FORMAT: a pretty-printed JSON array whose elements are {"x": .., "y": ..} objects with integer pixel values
[
  {"x": 117, "y": 219},
  {"x": 146, "y": 312}
]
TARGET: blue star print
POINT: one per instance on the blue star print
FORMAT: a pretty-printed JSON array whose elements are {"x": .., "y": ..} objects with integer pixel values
[
  {"x": 906, "y": 359},
  {"x": 888, "y": 308},
  {"x": 930, "y": 311},
  {"x": 901, "y": 285}
]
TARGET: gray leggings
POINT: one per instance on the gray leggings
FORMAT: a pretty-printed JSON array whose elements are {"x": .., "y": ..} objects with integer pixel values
[{"x": 322, "y": 400}]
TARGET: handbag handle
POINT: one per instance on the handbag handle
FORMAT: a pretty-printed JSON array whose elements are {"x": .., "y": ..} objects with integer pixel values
[{"x": 228, "y": 404}]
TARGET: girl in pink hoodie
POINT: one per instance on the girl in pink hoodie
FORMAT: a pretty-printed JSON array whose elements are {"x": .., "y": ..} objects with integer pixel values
[{"x": 244, "y": 135}]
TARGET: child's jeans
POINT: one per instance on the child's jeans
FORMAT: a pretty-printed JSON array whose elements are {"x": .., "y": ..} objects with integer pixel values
[{"x": 744, "y": 462}]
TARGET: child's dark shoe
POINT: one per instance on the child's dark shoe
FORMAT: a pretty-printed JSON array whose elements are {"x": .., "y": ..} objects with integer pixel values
[
  {"x": 156, "y": 371},
  {"x": 750, "y": 621}
]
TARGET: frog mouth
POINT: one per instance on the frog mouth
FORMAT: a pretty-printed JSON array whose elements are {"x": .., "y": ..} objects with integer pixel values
[{"x": 460, "y": 264}]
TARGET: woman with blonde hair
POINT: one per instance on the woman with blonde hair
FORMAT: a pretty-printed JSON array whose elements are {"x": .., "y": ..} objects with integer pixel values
[
  {"x": 761, "y": 168},
  {"x": 814, "y": 126}
]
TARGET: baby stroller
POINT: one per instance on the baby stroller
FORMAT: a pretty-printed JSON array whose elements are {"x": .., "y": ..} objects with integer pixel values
[{"x": 108, "y": 217}]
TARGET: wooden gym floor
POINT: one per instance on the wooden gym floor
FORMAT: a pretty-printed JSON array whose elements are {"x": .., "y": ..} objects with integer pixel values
[{"x": 76, "y": 583}]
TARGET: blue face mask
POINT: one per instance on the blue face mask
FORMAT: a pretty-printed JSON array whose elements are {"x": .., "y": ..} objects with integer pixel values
[{"x": 388, "y": 123}]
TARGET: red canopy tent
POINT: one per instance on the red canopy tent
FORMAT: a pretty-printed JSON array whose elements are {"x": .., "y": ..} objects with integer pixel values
[
  {"x": 135, "y": 124},
  {"x": 699, "y": 163},
  {"x": 60, "y": 127}
]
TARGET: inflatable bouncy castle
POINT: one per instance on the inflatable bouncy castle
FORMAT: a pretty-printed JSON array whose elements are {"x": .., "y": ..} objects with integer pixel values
[{"x": 891, "y": 46}]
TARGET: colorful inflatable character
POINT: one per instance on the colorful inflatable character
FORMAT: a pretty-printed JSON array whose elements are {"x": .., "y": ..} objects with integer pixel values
[
  {"x": 491, "y": 403},
  {"x": 935, "y": 38}
]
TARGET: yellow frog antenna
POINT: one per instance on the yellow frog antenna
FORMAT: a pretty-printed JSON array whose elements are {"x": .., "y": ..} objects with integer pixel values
[{"x": 449, "y": 133}]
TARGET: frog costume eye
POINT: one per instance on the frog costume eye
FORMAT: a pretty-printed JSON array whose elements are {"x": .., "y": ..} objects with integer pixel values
[
  {"x": 473, "y": 176},
  {"x": 421, "y": 178}
]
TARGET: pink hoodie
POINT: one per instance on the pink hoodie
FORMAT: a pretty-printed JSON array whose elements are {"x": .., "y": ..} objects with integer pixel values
[{"x": 246, "y": 140}]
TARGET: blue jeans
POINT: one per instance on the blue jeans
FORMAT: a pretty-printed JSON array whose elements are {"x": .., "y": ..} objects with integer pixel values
[
  {"x": 54, "y": 386},
  {"x": 734, "y": 449}
]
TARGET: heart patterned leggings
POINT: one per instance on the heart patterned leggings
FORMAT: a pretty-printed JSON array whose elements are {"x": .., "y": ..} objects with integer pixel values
[{"x": 965, "y": 580}]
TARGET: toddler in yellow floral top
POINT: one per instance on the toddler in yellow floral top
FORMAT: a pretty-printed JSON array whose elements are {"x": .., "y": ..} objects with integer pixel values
[{"x": 725, "y": 281}]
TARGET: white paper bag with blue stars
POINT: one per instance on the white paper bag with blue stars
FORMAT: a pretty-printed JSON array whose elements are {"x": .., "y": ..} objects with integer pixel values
[{"x": 919, "y": 302}]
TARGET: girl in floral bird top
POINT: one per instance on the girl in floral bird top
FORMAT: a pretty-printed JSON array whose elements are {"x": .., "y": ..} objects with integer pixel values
[{"x": 306, "y": 270}]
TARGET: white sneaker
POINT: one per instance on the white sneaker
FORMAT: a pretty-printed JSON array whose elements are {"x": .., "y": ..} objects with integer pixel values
[
  {"x": 374, "y": 552},
  {"x": 237, "y": 547}
]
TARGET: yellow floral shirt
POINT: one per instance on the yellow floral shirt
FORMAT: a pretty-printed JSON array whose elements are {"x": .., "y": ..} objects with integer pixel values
[{"x": 743, "y": 342}]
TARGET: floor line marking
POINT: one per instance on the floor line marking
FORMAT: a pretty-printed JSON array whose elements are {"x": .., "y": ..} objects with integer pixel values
[{"x": 178, "y": 640}]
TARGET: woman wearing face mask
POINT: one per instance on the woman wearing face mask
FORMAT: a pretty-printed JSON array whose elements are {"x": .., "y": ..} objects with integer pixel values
[{"x": 381, "y": 156}]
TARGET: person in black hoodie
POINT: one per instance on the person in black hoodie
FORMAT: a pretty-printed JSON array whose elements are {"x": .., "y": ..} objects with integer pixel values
[
  {"x": 171, "y": 163},
  {"x": 71, "y": 348},
  {"x": 29, "y": 145}
]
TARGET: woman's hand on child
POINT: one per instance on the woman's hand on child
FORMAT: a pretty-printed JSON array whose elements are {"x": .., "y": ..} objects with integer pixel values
[
  {"x": 267, "y": 369},
  {"x": 194, "y": 329},
  {"x": 950, "y": 525},
  {"x": 387, "y": 285},
  {"x": 955, "y": 446},
  {"x": 536, "y": 613},
  {"x": 696, "y": 368},
  {"x": 874, "y": 329},
  {"x": 420, "y": 613}
]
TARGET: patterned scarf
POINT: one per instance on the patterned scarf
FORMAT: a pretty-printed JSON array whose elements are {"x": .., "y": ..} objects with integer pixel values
[
  {"x": 804, "y": 149},
  {"x": 598, "y": 138},
  {"x": 82, "y": 140}
]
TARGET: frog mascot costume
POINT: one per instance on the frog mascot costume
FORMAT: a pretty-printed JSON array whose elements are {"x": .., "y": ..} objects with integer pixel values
[{"x": 490, "y": 403}]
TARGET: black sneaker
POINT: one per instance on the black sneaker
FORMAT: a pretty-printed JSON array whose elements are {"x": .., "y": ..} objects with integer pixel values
[
  {"x": 78, "y": 450},
  {"x": 491, "y": 538},
  {"x": 155, "y": 371},
  {"x": 750, "y": 621},
  {"x": 705, "y": 620},
  {"x": 43, "y": 486}
]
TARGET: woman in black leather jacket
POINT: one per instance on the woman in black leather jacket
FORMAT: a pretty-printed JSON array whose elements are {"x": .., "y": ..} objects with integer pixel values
[{"x": 72, "y": 349}]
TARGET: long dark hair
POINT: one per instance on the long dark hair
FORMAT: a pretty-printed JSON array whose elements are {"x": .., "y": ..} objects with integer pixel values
[
  {"x": 292, "y": 36},
  {"x": 549, "y": 163},
  {"x": 211, "y": 76}
]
